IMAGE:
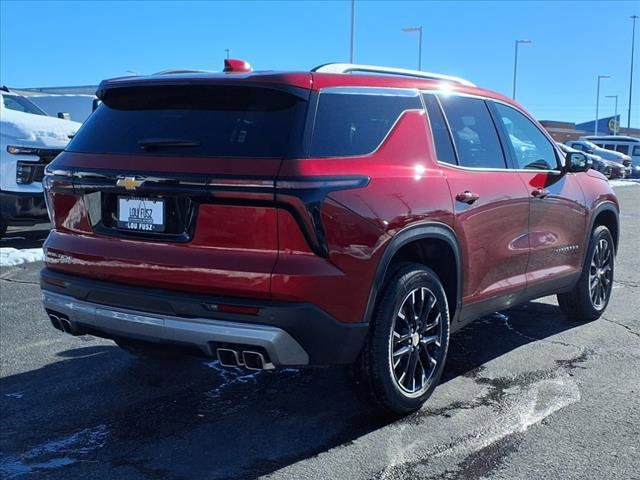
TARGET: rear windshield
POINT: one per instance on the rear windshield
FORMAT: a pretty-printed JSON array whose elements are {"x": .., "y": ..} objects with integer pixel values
[{"x": 216, "y": 121}]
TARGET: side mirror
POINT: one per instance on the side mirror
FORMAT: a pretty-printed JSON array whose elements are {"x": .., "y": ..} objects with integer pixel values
[
  {"x": 64, "y": 115},
  {"x": 577, "y": 162},
  {"x": 96, "y": 103}
]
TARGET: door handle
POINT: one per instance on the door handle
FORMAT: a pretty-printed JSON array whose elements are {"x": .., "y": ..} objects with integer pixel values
[
  {"x": 467, "y": 197},
  {"x": 540, "y": 192}
]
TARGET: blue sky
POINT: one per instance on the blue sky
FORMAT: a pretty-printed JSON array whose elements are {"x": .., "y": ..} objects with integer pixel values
[{"x": 76, "y": 43}]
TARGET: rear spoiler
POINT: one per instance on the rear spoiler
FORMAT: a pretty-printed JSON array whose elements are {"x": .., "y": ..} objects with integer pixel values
[{"x": 269, "y": 81}]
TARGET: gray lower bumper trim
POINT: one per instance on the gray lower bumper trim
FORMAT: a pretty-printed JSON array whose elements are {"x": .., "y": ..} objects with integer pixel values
[{"x": 200, "y": 332}]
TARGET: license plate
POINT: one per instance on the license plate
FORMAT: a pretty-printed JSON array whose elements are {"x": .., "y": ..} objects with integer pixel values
[{"x": 141, "y": 214}]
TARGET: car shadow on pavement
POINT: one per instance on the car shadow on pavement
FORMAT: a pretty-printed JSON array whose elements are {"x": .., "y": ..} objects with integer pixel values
[{"x": 116, "y": 415}]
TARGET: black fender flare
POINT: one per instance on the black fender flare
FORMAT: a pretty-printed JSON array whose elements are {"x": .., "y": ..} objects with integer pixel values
[
  {"x": 606, "y": 205},
  {"x": 422, "y": 231}
]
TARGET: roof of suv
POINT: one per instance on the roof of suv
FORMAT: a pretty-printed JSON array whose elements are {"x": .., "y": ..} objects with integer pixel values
[{"x": 323, "y": 76}]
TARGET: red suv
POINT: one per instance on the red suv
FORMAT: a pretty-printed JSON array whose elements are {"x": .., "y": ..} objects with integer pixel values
[{"x": 348, "y": 214}]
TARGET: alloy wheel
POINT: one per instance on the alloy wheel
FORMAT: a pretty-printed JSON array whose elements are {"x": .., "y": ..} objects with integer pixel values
[
  {"x": 601, "y": 274},
  {"x": 416, "y": 341}
]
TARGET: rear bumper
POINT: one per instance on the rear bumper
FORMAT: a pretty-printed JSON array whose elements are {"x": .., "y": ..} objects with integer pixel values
[
  {"x": 22, "y": 208},
  {"x": 290, "y": 333}
]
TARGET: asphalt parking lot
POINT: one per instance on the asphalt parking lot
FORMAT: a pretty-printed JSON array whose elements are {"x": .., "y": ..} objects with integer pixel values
[{"x": 526, "y": 394}]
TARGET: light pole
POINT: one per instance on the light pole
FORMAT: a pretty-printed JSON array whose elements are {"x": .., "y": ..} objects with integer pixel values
[
  {"x": 515, "y": 65},
  {"x": 616, "y": 124},
  {"x": 600, "y": 77},
  {"x": 228, "y": 50},
  {"x": 353, "y": 28},
  {"x": 419, "y": 30},
  {"x": 633, "y": 44}
]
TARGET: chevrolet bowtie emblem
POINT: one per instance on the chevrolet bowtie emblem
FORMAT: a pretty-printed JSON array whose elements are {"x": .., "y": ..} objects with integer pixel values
[{"x": 129, "y": 183}]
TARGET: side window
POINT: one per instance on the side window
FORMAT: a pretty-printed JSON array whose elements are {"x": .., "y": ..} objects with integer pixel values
[
  {"x": 473, "y": 132},
  {"x": 623, "y": 149},
  {"x": 441, "y": 137},
  {"x": 532, "y": 150},
  {"x": 356, "y": 123},
  {"x": 636, "y": 150},
  {"x": 610, "y": 146}
]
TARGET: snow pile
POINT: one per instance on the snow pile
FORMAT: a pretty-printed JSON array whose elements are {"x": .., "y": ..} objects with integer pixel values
[
  {"x": 35, "y": 130},
  {"x": 10, "y": 257}
]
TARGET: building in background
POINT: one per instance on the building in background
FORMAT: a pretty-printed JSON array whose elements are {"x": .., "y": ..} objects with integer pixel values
[
  {"x": 566, "y": 131},
  {"x": 73, "y": 103}
]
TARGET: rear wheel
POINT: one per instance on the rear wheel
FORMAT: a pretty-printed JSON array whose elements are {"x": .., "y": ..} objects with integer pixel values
[
  {"x": 590, "y": 296},
  {"x": 404, "y": 357}
]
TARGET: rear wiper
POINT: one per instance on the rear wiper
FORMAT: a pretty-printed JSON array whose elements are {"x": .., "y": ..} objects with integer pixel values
[{"x": 152, "y": 143}]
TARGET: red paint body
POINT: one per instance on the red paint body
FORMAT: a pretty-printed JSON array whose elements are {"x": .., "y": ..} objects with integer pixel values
[{"x": 509, "y": 241}]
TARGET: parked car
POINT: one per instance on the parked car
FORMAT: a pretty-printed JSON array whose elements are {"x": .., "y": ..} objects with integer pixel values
[
  {"x": 597, "y": 163},
  {"x": 589, "y": 147},
  {"x": 618, "y": 171},
  {"x": 29, "y": 140},
  {"x": 623, "y": 144},
  {"x": 317, "y": 218}
]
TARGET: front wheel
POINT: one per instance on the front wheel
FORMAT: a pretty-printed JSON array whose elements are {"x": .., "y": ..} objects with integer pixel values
[
  {"x": 590, "y": 296},
  {"x": 405, "y": 353}
]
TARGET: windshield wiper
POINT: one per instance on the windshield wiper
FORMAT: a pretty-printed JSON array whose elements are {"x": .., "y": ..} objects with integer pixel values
[{"x": 153, "y": 143}]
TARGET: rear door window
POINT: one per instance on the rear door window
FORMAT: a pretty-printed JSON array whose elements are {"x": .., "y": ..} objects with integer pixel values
[
  {"x": 349, "y": 122},
  {"x": 216, "y": 121},
  {"x": 474, "y": 132}
]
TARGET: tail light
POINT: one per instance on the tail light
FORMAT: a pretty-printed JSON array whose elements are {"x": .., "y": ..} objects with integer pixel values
[{"x": 54, "y": 183}]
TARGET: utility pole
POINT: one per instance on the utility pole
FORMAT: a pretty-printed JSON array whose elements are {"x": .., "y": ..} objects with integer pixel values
[
  {"x": 515, "y": 65},
  {"x": 228, "y": 50},
  {"x": 595, "y": 128},
  {"x": 633, "y": 44},
  {"x": 353, "y": 28},
  {"x": 419, "y": 30}
]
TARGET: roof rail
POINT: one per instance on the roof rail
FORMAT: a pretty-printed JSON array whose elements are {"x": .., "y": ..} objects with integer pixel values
[{"x": 352, "y": 67}]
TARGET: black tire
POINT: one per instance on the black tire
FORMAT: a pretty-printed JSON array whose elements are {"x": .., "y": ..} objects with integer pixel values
[
  {"x": 376, "y": 364},
  {"x": 150, "y": 351},
  {"x": 579, "y": 304}
]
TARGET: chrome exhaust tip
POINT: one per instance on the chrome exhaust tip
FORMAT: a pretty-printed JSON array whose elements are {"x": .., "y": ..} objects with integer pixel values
[
  {"x": 229, "y": 358},
  {"x": 255, "y": 361},
  {"x": 55, "y": 321},
  {"x": 66, "y": 325}
]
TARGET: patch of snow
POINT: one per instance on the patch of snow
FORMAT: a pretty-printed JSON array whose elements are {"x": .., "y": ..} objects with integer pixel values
[
  {"x": 630, "y": 182},
  {"x": 14, "y": 395},
  {"x": 55, "y": 453},
  {"x": 10, "y": 257},
  {"x": 230, "y": 377}
]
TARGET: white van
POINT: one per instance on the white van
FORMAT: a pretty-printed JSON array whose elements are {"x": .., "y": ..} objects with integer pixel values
[
  {"x": 620, "y": 143},
  {"x": 29, "y": 140}
]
